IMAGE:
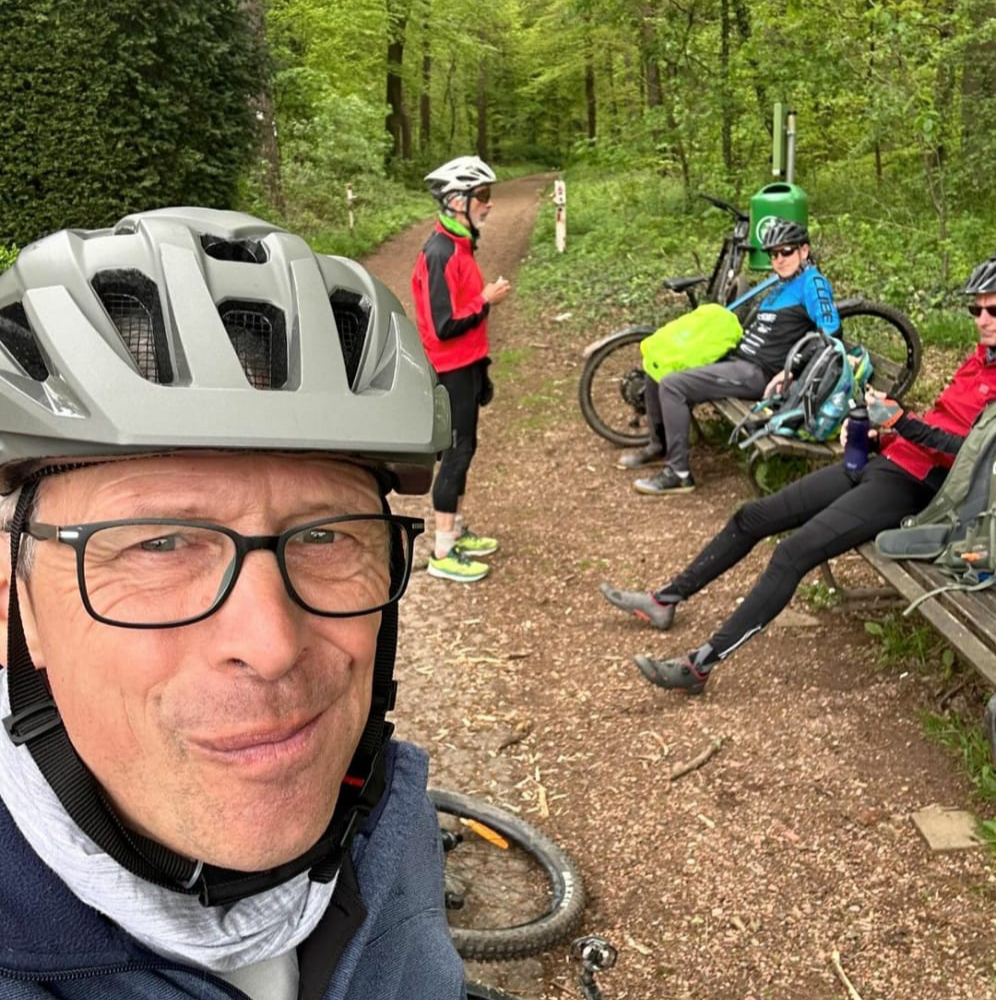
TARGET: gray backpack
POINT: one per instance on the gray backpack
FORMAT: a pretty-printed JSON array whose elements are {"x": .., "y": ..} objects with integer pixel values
[{"x": 957, "y": 529}]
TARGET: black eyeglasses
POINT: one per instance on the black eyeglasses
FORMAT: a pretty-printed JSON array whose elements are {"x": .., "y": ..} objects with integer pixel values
[
  {"x": 977, "y": 309},
  {"x": 160, "y": 572},
  {"x": 781, "y": 252},
  {"x": 482, "y": 194}
]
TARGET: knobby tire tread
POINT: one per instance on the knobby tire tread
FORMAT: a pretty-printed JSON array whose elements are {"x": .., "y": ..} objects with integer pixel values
[
  {"x": 629, "y": 335},
  {"x": 907, "y": 332},
  {"x": 565, "y": 885}
]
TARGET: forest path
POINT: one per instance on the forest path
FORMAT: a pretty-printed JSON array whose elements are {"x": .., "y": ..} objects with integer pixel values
[{"x": 738, "y": 880}]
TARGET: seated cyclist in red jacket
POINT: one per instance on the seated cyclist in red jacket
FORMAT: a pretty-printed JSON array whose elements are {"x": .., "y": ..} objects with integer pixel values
[
  {"x": 832, "y": 510},
  {"x": 452, "y": 304}
]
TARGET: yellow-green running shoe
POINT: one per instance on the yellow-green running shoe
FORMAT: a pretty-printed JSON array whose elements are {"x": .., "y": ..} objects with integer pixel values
[
  {"x": 472, "y": 544},
  {"x": 457, "y": 566}
]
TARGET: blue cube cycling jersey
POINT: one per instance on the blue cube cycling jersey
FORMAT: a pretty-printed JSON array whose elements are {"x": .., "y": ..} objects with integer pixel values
[{"x": 795, "y": 307}]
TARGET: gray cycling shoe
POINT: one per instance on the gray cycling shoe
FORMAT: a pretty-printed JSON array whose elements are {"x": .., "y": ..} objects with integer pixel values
[
  {"x": 641, "y": 604},
  {"x": 652, "y": 454},
  {"x": 673, "y": 675}
]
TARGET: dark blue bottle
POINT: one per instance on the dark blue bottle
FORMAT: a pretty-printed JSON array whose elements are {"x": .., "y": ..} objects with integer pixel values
[{"x": 856, "y": 449}]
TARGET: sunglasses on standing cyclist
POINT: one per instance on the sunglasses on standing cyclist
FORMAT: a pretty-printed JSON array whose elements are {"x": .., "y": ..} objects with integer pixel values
[
  {"x": 977, "y": 309},
  {"x": 781, "y": 252},
  {"x": 482, "y": 194}
]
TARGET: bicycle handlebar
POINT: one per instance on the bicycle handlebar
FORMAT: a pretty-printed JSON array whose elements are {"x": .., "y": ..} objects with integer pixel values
[{"x": 726, "y": 207}]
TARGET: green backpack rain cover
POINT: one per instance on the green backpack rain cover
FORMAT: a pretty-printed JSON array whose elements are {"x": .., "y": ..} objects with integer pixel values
[
  {"x": 957, "y": 530},
  {"x": 696, "y": 338}
]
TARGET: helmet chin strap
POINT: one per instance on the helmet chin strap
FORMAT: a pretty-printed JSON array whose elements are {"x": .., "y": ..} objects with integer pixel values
[{"x": 35, "y": 722}]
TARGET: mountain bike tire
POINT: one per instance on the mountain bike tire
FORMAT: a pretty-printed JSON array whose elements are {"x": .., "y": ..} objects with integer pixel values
[
  {"x": 477, "y": 991},
  {"x": 612, "y": 386},
  {"x": 516, "y": 902},
  {"x": 887, "y": 333}
]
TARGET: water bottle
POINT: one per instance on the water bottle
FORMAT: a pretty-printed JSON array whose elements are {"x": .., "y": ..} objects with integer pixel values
[{"x": 856, "y": 449}]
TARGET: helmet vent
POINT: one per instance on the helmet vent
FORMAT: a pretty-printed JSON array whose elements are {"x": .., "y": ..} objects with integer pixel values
[
  {"x": 352, "y": 313},
  {"x": 236, "y": 251},
  {"x": 17, "y": 338},
  {"x": 132, "y": 302},
  {"x": 257, "y": 333}
]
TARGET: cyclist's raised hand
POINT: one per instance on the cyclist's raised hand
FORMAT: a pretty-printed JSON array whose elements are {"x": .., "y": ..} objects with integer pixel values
[{"x": 496, "y": 291}]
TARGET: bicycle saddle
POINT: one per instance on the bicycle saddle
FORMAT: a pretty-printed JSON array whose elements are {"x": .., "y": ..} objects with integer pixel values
[{"x": 683, "y": 284}]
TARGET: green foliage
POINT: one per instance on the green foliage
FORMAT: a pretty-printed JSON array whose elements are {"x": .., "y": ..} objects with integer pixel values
[
  {"x": 629, "y": 229},
  {"x": 121, "y": 106},
  {"x": 8, "y": 255},
  {"x": 965, "y": 737},
  {"x": 818, "y": 595},
  {"x": 911, "y": 642}
]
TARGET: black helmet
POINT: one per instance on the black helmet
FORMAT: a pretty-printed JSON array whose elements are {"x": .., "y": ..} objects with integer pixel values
[
  {"x": 784, "y": 232},
  {"x": 983, "y": 279}
]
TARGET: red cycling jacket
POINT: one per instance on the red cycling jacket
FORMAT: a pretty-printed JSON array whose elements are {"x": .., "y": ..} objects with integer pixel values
[
  {"x": 447, "y": 290},
  {"x": 932, "y": 440}
]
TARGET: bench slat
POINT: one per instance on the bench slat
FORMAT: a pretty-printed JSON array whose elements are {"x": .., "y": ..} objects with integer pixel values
[{"x": 949, "y": 617}]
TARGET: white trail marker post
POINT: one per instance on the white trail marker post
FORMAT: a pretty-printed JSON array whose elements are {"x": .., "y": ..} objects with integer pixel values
[{"x": 559, "y": 197}]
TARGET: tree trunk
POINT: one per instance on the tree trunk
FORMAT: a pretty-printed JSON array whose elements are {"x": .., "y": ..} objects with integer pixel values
[
  {"x": 651, "y": 65},
  {"x": 262, "y": 105},
  {"x": 591, "y": 97},
  {"x": 744, "y": 28},
  {"x": 482, "y": 131},
  {"x": 726, "y": 117},
  {"x": 425, "y": 81},
  {"x": 397, "y": 122},
  {"x": 425, "y": 99}
]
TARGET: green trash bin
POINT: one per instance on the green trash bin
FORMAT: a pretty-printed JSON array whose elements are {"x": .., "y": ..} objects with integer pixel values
[{"x": 779, "y": 200}]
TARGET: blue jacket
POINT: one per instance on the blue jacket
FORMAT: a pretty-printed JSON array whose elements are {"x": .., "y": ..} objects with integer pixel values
[
  {"x": 52, "y": 945},
  {"x": 788, "y": 313}
]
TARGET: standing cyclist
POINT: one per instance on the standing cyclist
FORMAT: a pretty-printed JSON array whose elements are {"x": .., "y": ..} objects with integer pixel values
[
  {"x": 802, "y": 301},
  {"x": 201, "y": 422},
  {"x": 452, "y": 306}
]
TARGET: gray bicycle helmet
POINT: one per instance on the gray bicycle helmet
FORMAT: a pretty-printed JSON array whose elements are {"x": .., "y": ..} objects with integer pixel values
[
  {"x": 189, "y": 328},
  {"x": 983, "y": 280},
  {"x": 782, "y": 233},
  {"x": 463, "y": 174},
  {"x": 192, "y": 328}
]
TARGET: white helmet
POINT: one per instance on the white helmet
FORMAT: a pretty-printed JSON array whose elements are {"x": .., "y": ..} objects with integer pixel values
[{"x": 464, "y": 173}]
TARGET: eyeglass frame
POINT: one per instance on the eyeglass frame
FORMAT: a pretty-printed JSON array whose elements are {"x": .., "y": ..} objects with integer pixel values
[
  {"x": 477, "y": 194},
  {"x": 244, "y": 545},
  {"x": 976, "y": 309},
  {"x": 784, "y": 252}
]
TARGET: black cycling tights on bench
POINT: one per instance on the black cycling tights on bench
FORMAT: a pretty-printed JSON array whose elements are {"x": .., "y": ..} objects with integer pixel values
[{"x": 834, "y": 511}]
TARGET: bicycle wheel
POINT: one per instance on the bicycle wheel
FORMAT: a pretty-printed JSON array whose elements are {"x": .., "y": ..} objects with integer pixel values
[
  {"x": 477, "y": 991},
  {"x": 612, "y": 389},
  {"x": 891, "y": 339},
  {"x": 503, "y": 901}
]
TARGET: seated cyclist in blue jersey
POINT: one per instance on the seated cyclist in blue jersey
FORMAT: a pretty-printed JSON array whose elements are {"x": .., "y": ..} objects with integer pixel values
[{"x": 801, "y": 301}]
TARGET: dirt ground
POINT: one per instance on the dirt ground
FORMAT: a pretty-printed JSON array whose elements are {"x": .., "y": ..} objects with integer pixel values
[{"x": 736, "y": 881}]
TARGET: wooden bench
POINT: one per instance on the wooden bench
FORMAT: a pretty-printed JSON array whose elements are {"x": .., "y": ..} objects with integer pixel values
[{"x": 966, "y": 619}]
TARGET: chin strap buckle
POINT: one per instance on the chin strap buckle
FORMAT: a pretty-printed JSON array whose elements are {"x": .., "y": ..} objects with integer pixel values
[{"x": 34, "y": 720}]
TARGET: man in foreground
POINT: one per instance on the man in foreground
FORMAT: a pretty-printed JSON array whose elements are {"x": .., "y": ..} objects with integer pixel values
[{"x": 199, "y": 793}]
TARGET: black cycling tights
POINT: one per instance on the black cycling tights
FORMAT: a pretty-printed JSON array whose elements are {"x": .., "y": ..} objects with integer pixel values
[
  {"x": 465, "y": 386},
  {"x": 834, "y": 511}
]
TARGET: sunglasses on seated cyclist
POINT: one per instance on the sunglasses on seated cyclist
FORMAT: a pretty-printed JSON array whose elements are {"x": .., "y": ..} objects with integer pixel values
[
  {"x": 482, "y": 194},
  {"x": 976, "y": 310},
  {"x": 781, "y": 252}
]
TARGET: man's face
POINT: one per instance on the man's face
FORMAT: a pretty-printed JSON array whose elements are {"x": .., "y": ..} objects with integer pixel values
[
  {"x": 788, "y": 259},
  {"x": 225, "y": 740},
  {"x": 985, "y": 323}
]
